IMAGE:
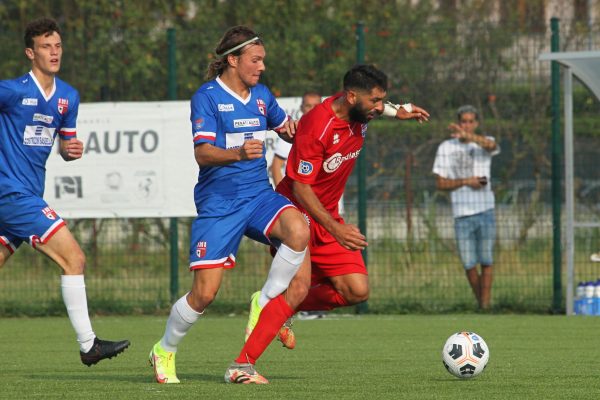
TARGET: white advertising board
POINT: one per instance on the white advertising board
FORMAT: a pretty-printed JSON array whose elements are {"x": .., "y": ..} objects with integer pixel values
[{"x": 138, "y": 162}]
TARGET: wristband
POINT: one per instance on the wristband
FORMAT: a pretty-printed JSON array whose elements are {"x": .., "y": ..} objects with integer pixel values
[
  {"x": 390, "y": 109},
  {"x": 408, "y": 107}
]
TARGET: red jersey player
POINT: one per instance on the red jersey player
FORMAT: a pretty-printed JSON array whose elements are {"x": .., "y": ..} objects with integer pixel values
[{"x": 326, "y": 146}]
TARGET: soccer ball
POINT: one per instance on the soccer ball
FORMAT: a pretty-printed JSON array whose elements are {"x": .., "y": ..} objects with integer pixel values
[{"x": 465, "y": 354}]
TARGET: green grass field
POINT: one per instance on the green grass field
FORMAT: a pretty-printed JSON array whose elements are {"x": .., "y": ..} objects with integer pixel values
[{"x": 340, "y": 357}]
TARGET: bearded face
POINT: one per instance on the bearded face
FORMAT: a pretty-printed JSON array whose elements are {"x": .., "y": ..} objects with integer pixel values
[
  {"x": 358, "y": 113},
  {"x": 367, "y": 105}
]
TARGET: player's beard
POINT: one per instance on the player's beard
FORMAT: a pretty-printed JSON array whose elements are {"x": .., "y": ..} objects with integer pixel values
[{"x": 358, "y": 114}]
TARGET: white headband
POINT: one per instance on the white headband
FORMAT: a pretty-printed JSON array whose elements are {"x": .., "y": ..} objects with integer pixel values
[{"x": 239, "y": 46}]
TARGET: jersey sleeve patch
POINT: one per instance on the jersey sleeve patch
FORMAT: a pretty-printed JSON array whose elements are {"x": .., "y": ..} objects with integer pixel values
[{"x": 305, "y": 167}]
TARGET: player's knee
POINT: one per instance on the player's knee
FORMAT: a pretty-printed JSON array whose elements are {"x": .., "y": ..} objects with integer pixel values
[
  {"x": 357, "y": 294},
  {"x": 298, "y": 234},
  {"x": 298, "y": 291},
  {"x": 199, "y": 301},
  {"x": 75, "y": 263}
]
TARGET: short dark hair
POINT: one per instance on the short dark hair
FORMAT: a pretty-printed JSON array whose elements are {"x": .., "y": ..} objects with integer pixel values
[
  {"x": 365, "y": 77},
  {"x": 467, "y": 109},
  {"x": 38, "y": 27}
]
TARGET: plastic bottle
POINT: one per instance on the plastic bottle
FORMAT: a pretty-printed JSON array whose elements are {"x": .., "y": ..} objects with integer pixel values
[
  {"x": 596, "y": 310},
  {"x": 587, "y": 308},
  {"x": 579, "y": 295}
]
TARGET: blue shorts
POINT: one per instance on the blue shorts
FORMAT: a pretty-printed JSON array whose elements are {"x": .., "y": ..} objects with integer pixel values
[
  {"x": 475, "y": 236},
  {"x": 26, "y": 218},
  {"x": 218, "y": 229}
]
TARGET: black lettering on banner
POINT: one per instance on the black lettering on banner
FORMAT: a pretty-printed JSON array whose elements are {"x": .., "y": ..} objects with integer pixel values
[
  {"x": 130, "y": 135},
  {"x": 68, "y": 186},
  {"x": 152, "y": 137},
  {"x": 92, "y": 145},
  {"x": 148, "y": 142},
  {"x": 117, "y": 144}
]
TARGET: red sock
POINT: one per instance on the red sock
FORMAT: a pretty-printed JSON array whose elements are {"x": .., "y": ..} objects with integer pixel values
[
  {"x": 272, "y": 317},
  {"x": 322, "y": 297}
]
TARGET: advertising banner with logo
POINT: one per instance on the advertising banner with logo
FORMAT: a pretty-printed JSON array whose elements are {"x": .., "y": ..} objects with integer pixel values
[{"x": 138, "y": 161}]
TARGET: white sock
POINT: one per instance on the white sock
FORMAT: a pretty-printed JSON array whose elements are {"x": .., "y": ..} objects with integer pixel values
[
  {"x": 283, "y": 269},
  {"x": 74, "y": 297},
  {"x": 180, "y": 320}
]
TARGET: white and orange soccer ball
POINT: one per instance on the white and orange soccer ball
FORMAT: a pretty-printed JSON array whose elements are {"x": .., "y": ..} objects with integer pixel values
[{"x": 465, "y": 354}]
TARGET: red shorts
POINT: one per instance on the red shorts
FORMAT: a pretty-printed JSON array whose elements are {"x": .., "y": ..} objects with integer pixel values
[{"x": 328, "y": 258}]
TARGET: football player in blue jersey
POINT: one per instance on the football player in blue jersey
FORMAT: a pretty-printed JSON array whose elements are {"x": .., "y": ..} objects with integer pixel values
[
  {"x": 230, "y": 116},
  {"x": 34, "y": 109}
]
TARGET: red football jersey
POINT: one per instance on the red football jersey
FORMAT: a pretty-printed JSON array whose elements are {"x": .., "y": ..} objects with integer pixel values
[{"x": 323, "y": 155}]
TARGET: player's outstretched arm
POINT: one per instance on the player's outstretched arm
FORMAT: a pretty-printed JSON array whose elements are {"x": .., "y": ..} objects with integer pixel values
[
  {"x": 405, "y": 111},
  {"x": 208, "y": 155},
  {"x": 459, "y": 133},
  {"x": 71, "y": 149}
]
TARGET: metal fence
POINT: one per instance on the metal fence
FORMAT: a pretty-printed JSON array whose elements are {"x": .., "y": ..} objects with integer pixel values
[{"x": 412, "y": 258}]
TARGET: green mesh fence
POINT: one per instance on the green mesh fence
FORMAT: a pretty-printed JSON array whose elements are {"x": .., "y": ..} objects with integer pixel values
[{"x": 413, "y": 261}]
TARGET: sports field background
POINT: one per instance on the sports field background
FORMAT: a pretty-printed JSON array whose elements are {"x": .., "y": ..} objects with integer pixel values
[
  {"x": 343, "y": 357},
  {"x": 437, "y": 57}
]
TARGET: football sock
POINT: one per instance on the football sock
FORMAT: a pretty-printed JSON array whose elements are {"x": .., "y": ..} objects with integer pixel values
[
  {"x": 283, "y": 269},
  {"x": 74, "y": 297},
  {"x": 322, "y": 297},
  {"x": 181, "y": 319},
  {"x": 272, "y": 317}
]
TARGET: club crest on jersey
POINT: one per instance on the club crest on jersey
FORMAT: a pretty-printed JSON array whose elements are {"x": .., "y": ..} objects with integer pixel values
[
  {"x": 49, "y": 213},
  {"x": 199, "y": 123},
  {"x": 262, "y": 107},
  {"x": 201, "y": 249},
  {"x": 305, "y": 168},
  {"x": 63, "y": 106}
]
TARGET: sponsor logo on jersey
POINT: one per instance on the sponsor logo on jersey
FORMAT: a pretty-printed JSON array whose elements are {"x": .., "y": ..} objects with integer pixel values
[
  {"x": 246, "y": 123},
  {"x": 201, "y": 249},
  {"x": 38, "y": 135},
  {"x": 225, "y": 107},
  {"x": 49, "y": 213},
  {"x": 305, "y": 168},
  {"x": 334, "y": 162},
  {"x": 363, "y": 130},
  {"x": 37, "y": 117},
  {"x": 262, "y": 107},
  {"x": 336, "y": 138},
  {"x": 237, "y": 139},
  {"x": 63, "y": 106},
  {"x": 29, "y": 101}
]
